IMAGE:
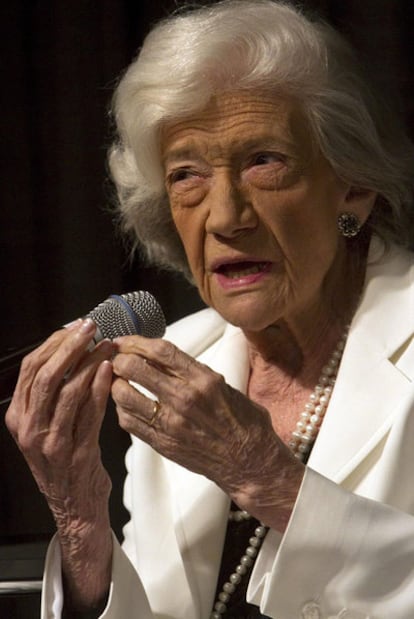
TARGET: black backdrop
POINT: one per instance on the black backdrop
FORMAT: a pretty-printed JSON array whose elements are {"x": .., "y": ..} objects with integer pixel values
[{"x": 60, "y": 255}]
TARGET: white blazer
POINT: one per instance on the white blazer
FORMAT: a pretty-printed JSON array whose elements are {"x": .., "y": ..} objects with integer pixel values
[{"x": 348, "y": 552}]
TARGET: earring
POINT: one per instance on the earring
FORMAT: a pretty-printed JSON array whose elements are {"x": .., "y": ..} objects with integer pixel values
[{"x": 348, "y": 225}]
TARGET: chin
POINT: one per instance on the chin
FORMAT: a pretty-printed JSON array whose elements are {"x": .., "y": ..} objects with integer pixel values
[{"x": 253, "y": 319}]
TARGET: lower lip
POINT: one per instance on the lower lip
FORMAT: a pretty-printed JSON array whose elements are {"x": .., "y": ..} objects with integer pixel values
[{"x": 244, "y": 280}]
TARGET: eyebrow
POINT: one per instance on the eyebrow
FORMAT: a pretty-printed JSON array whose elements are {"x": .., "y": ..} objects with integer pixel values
[
  {"x": 178, "y": 154},
  {"x": 266, "y": 142}
]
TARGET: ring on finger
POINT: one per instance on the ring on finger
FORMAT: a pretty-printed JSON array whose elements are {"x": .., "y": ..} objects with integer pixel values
[{"x": 155, "y": 412}]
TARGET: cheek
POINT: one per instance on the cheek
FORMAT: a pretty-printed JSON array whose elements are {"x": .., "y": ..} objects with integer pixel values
[
  {"x": 190, "y": 228},
  {"x": 304, "y": 220},
  {"x": 304, "y": 227}
]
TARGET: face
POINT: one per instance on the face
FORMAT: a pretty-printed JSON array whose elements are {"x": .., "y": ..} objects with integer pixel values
[{"x": 255, "y": 205}]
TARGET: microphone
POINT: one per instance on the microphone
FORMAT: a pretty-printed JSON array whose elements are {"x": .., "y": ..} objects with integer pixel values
[{"x": 133, "y": 313}]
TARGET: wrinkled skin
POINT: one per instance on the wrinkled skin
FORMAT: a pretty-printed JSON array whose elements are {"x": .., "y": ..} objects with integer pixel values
[
  {"x": 55, "y": 417},
  {"x": 206, "y": 426}
]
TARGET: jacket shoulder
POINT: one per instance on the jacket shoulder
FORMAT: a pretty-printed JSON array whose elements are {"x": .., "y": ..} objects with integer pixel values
[{"x": 196, "y": 332}]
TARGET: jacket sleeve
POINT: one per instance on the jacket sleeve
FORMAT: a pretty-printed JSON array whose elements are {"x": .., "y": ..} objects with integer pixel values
[
  {"x": 342, "y": 557},
  {"x": 127, "y": 598}
]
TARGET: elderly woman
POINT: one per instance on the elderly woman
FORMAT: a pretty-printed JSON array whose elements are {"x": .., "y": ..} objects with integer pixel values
[{"x": 252, "y": 158}]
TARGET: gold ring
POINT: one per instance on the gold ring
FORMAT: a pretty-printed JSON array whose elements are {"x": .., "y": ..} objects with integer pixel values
[{"x": 155, "y": 412}]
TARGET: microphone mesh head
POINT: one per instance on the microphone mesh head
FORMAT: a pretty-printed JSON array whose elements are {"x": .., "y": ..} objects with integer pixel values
[{"x": 133, "y": 313}]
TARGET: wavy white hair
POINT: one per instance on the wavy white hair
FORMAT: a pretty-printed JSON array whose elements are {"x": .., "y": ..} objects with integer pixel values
[{"x": 250, "y": 45}]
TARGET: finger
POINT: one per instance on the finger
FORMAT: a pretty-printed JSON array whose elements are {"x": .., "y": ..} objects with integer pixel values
[
  {"x": 64, "y": 341},
  {"x": 133, "y": 403},
  {"x": 56, "y": 439},
  {"x": 191, "y": 387},
  {"x": 55, "y": 414},
  {"x": 157, "y": 352},
  {"x": 144, "y": 374},
  {"x": 72, "y": 348},
  {"x": 72, "y": 441},
  {"x": 75, "y": 391},
  {"x": 90, "y": 418},
  {"x": 44, "y": 351},
  {"x": 133, "y": 367},
  {"x": 42, "y": 376},
  {"x": 28, "y": 370}
]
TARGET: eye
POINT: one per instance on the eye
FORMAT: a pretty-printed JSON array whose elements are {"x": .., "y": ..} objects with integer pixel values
[
  {"x": 266, "y": 169},
  {"x": 180, "y": 174},
  {"x": 266, "y": 158}
]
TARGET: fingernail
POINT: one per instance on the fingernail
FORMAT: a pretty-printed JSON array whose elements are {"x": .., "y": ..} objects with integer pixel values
[
  {"x": 73, "y": 325},
  {"x": 88, "y": 326}
]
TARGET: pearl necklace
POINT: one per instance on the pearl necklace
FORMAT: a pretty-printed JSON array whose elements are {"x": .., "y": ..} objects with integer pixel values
[
  {"x": 301, "y": 442},
  {"x": 311, "y": 417}
]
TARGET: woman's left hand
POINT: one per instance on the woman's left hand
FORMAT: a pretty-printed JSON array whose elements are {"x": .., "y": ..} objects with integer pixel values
[{"x": 205, "y": 425}]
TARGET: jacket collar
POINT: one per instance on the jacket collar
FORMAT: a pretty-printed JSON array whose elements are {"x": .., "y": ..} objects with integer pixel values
[{"x": 372, "y": 378}]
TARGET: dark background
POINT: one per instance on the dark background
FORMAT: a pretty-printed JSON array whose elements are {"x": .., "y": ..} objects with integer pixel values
[{"x": 60, "y": 254}]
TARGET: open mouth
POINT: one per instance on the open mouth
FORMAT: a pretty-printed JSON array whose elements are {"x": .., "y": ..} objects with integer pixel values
[{"x": 238, "y": 270}]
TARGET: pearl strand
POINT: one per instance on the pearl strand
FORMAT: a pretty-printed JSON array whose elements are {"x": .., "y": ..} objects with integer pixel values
[
  {"x": 311, "y": 417},
  {"x": 245, "y": 564},
  {"x": 301, "y": 443}
]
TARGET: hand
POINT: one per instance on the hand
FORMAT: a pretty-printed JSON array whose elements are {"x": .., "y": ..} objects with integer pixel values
[
  {"x": 55, "y": 417},
  {"x": 206, "y": 426},
  {"x": 56, "y": 414}
]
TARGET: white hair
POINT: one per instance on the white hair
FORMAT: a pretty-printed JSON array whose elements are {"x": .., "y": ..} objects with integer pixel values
[{"x": 249, "y": 45}]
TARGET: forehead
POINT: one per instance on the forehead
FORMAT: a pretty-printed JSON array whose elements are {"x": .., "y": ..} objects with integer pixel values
[{"x": 237, "y": 119}]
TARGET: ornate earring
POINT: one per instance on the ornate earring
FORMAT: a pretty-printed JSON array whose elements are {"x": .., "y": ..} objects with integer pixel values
[{"x": 348, "y": 225}]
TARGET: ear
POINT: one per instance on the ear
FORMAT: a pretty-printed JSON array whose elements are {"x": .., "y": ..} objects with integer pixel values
[{"x": 358, "y": 201}]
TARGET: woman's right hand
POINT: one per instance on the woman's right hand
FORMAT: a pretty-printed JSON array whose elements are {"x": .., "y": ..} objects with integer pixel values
[{"x": 55, "y": 417}]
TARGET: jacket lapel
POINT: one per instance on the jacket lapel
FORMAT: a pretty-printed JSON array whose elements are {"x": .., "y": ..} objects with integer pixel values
[
  {"x": 200, "y": 508},
  {"x": 360, "y": 412},
  {"x": 374, "y": 375}
]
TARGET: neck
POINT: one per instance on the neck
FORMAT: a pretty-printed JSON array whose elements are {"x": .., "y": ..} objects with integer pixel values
[
  {"x": 295, "y": 355},
  {"x": 299, "y": 345}
]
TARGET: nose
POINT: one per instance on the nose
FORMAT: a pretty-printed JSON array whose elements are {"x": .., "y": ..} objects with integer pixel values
[{"x": 231, "y": 212}]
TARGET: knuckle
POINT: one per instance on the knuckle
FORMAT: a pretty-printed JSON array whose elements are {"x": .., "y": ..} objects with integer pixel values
[
  {"x": 211, "y": 382},
  {"x": 123, "y": 394},
  {"x": 190, "y": 398},
  {"x": 158, "y": 345},
  {"x": 11, "y": 421},
  {"x": 125, "y": 421},
  {"x": 26, "y": 441},
  {"x": 28, "y": 365},
  {"x": 54, "y": 449},
  {"x": 127, "y": 366},
  {"x": 165, "y": 351},
  {"x": 43, "y": 381},
  {"x": 50, "y": 453},
  {"x": 177, "y": 425},
  {"x": 69, "y": 397},
  {"x": 205, "y": 389},
  {"x": 120, "y": 362}
]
